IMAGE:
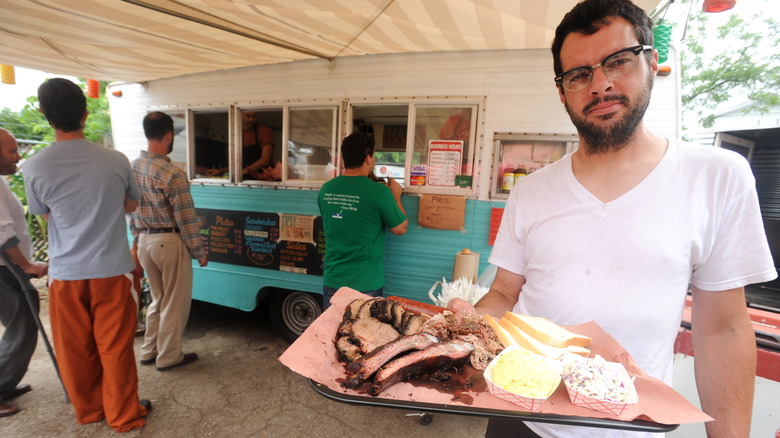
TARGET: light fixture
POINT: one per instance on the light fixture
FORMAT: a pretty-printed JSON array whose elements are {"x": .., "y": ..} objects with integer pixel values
[{"x": 718, "y": 5}]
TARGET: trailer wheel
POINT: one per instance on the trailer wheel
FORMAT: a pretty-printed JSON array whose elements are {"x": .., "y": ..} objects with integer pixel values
[{"x": 293, "y": 312}]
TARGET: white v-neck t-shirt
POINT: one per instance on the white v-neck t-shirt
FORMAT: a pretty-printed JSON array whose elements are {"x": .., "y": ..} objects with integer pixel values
[{"x": 626, "y": 264}]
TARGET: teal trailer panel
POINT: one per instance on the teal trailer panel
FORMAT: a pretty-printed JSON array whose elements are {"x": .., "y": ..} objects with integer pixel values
[{"x": 413, "y": 261}]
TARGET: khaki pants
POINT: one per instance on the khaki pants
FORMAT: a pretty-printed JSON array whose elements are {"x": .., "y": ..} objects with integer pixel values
[{"x": 168, "y": 267}]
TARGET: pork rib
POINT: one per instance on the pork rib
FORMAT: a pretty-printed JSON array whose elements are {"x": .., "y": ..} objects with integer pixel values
[
  {"x": 361, "y": 369},
  {"x": 437, "y": 357}
]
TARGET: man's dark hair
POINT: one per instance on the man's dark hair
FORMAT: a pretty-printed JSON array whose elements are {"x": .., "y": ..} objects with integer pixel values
[
  {"x": 355, "y": 148},
  {"x": 589, "y": 16},
  {"x": 63, "y": 103},
  {"x": 156, "y": 125}
]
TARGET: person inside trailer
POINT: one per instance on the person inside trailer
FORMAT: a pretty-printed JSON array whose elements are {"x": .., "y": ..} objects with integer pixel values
[{"x": 256, "y": 151}]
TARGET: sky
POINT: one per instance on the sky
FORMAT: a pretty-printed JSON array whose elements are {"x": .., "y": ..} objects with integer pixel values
[{"x": 14, "y": 97}]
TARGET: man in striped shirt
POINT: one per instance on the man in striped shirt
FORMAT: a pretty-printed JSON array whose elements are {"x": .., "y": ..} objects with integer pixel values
[{"x": 165, "y": 231}]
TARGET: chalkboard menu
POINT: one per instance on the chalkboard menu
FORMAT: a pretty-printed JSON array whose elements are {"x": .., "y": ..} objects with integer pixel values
[{"x": 280, "y": 241}]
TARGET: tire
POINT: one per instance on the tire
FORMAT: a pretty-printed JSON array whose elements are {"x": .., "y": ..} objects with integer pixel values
[{"x": 293, "y": 312}]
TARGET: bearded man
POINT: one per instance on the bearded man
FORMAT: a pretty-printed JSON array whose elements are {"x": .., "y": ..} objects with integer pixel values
[
  {"x": 165, "y": 233},
  {"x": 616, "y": 231}
]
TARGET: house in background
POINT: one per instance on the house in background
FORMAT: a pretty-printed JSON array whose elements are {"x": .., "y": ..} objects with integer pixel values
[{"x": 756, "y": 136}]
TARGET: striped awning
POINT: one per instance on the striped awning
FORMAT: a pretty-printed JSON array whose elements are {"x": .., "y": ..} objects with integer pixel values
[{"x": 140, "y": 40}]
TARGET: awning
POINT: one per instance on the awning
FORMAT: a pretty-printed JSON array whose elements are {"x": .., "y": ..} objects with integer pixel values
[{"x": 140, "y": 40}]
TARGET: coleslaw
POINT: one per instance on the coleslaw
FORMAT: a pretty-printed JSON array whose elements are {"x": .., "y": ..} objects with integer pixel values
[{"x": 595, "y": 377}]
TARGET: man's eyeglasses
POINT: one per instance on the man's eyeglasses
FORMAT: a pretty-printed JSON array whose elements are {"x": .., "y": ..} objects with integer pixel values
[{"x": 614, "y": 65}]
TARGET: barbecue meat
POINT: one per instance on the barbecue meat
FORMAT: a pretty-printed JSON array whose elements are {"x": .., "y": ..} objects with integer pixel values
[
  {"x": 347, "y": 351},
  {"x": 468, "y": 327},
  {"x": 369, "y": 334},
  {"x": 359, "y": 370},
  {"x": 437, "y": 357},
  {"x": 412, "y": 324},
  {"x": 369, "y": 324},
  {"x": 352, "y": 309}
]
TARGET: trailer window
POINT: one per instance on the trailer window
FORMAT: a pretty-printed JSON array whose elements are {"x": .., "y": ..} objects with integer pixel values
[
  {"x": 178, "y": 155},
  {"x": 261, "y": 133},
  {"x": 311, "y": 144},
  {"x": 518, "y": 155},
  {"x": 388, "y": 124},
  {"x": 443, "y": 139},
  {"x": 211, "y": 144}
]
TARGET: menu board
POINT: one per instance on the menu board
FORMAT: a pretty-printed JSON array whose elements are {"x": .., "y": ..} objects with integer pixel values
[{"x": 279, "y": 241}]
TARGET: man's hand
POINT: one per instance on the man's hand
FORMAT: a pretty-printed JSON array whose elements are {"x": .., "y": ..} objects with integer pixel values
[
  {"x": 203, "y": 262},
  {"x": 459, "y": 305},
  {"x": 395, "y": 187},
  {"x": 139, "y": 270},
  {"x": 215, "y": 172},
  {"x": 36, "y": 269},
  {"x": 503, "y": 294}
]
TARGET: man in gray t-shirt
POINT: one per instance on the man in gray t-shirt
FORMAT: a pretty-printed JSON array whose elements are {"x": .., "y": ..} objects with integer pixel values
[{"x": 84, "y": 191}]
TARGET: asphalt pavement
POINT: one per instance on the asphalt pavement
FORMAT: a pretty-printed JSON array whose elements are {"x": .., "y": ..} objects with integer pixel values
[{"x": 237, "y": 388}]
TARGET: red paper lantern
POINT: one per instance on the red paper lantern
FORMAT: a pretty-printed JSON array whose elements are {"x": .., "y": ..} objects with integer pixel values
[
  {"x": 93, "y": 88},
  {"x": 718, "y": 5}
]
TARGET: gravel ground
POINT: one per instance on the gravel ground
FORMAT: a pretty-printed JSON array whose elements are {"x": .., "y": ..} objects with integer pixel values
[{"x": 237, "y": 388}]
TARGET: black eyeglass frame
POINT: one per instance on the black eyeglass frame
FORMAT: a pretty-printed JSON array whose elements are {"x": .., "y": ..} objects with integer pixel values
[{"x": 635, "y": 49}]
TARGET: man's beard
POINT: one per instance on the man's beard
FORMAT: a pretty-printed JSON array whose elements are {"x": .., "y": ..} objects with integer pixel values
[
  {"x": 170, "y": 148},
  {"x": 8, "y": 169},
  {"x": 603, "y": 138}
]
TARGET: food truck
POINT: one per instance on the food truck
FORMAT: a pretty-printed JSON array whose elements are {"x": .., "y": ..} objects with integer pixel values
[
  {"x": 455, "y": 129},
  {"x": 459, "y": 98}
]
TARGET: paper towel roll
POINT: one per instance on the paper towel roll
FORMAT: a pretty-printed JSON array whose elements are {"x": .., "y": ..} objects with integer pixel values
[{"x": 466, "y": 265}]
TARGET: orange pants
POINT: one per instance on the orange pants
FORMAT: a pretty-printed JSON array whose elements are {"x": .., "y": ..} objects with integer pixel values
[{"x": 93, "y": 325}]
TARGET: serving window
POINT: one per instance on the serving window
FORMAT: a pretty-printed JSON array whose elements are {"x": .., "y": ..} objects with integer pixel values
[
  {"x": 443, "y": 141},
  {"x": 210, "y": 135},
  {"x": 518, "y": 155},
  {"x": 421, "y": 145},
  {"x": 259, "y": 143},
  {"x": 178, "y": 154},
  {"x": 388, "y": 125},
  {"x": 312, "y": 144}
]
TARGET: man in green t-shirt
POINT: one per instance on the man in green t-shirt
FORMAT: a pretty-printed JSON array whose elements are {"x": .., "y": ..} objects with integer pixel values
[{"x": 355, "y": 212}]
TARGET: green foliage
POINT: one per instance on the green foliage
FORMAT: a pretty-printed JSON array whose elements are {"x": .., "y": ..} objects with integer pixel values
[
  {"x": 27, "y": 124},
  {"x": 30, "y": 124},
  {"x": 98, "y": 126},
  {"x": 737, "y": 60},
  {"x": 390, "y": 158}
]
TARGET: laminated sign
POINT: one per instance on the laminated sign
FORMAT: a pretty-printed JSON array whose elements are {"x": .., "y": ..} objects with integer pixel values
[{"x": 444, "y": 158}]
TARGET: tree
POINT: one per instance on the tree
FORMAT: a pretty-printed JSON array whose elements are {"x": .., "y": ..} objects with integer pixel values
[
  {"x": 98, "y": 126},
  {"x": 27, "y": 124},
  {"x": 30, "y": 124},
  {"x": 736, "y": 60}
]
